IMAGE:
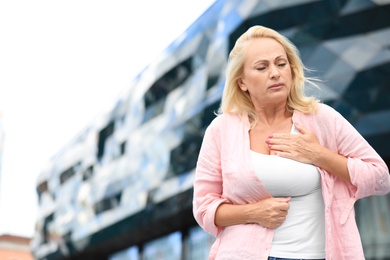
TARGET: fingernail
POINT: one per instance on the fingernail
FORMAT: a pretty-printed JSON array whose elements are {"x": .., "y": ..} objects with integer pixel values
[{"x": 267, "y": 140}]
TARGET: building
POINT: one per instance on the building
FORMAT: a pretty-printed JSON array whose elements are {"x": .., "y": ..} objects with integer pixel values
[
  {"x": 122, "y": 189},
  {"x": 15, "y": 248}
]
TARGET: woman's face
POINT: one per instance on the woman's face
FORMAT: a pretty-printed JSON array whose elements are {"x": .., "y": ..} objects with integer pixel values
[{"x": 266, "y": 73}]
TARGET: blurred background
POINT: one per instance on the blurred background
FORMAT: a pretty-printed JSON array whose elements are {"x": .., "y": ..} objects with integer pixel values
[{"x": 104, "y": 106}]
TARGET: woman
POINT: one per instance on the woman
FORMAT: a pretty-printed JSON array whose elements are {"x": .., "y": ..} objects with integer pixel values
[{"x": 278, "y": 172}]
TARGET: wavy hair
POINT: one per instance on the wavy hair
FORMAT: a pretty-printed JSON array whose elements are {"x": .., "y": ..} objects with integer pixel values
[{"x": 238, "y": 101}]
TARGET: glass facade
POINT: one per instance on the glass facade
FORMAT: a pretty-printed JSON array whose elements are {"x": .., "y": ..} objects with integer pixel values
[
  {"x": 168, "y": 247},
  {"x": 122, "y": 189},
  {"x": 194, "y": 244},
  {"x": 131, "y": 253}
]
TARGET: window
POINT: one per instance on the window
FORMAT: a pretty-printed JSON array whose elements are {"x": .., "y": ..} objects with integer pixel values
[
  {"x": 42, "y": 187},
  {"x": 103, "y": 135},
  {"x": 108, "y": 203},
  {"x": 155, "y": 96},
  {"x": 87, "y": 174},
  {"x": 184, "y": 156},
  {"x": 67, "y": 174},
  {"x": 123, "y": 148}
]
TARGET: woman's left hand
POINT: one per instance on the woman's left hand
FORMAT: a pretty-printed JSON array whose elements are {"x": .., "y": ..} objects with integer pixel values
[
  {"x": 300, "y": 147},
  {"x": 304, "y": 147}
]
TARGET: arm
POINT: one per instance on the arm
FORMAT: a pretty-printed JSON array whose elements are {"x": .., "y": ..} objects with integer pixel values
[
  {"x": 208, "y": 182},
  {"x": 351, "y": 158},
  {"x": 368, "y": 172},
  {"x": 331, "y": 162},
  {"x": 269, "y": 213}
]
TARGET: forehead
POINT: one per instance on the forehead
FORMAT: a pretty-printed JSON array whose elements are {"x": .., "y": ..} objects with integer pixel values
[{"x": 264, "y": 49}]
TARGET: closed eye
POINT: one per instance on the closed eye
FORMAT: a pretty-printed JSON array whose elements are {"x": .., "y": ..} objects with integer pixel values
[{"x": 282, "y": 64}]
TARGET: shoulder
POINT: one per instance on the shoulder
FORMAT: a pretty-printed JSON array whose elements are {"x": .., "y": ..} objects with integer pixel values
[
  {"x": 326, "y": 109},
  {"x": 225, "y": 119},
  {"x": 325, "y": 117},
  {"x": 225, "y": 123},
  {"x": 324, "y": 112}
]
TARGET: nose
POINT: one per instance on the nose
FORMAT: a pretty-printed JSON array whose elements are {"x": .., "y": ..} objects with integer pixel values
[{"x": 274, "y": 72}]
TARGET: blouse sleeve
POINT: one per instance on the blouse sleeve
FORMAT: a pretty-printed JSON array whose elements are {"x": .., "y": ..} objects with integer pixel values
[
  {"x": 367, "y": 170},
  {"x": 208, "y": 182}
]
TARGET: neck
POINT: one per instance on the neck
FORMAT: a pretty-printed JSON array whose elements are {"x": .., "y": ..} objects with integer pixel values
[{"x": 272, "y": 115}]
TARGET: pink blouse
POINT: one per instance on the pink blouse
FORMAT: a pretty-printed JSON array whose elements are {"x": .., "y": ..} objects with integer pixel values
[{"x": 225, "y": 174}]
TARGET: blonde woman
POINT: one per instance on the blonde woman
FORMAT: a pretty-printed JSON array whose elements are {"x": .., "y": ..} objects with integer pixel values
[{"x": 278, "y": 172}]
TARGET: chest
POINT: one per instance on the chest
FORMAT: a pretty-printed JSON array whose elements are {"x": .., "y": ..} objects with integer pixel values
[
  {"x": 285, "y": 177},
  {"x": 259, "y": 134}
]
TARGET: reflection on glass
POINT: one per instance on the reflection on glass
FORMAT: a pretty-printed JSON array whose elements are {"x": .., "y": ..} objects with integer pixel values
[
  {"x": 131, "y": 253},
  {"x": 199, "y": 244},
  {"x": 165, "y": 248}
]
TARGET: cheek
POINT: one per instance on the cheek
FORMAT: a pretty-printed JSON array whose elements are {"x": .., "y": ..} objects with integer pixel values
[
  {"x": 257, "y": 81},
  {"x": 288, "y": 77}
]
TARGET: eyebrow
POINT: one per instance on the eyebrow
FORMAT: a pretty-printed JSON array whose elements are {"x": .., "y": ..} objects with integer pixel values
[{"x": 266, "y": 61}]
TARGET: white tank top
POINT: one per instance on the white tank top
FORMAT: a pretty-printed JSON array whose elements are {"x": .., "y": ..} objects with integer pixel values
[{"x": 302, "y": 235}]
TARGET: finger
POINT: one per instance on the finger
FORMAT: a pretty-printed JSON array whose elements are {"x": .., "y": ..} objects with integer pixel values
[
  {"x": 284, "y": 207},
  {"x": 283, "y": 199},
  {"x": 283, "y": 154},
  {"x": 279, "y": 147},
  {"x": 279, "y": 136}
]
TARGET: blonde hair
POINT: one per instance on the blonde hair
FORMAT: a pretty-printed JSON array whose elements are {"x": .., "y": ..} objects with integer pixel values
[{"x": 238, "y": 101}]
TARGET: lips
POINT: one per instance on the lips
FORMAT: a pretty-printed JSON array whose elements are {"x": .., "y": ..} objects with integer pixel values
[{"x": 276, "y": 86}]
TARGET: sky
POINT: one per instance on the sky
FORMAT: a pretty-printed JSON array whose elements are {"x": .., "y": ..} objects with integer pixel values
[{"x": 61, "y": 64}]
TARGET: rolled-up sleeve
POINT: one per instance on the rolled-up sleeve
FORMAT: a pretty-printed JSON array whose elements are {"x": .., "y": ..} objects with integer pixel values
[
  {"x": 208, "y": 182},
  {"x": 367, "y": 170}
]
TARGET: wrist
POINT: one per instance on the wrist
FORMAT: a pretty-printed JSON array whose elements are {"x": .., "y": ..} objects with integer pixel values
[{"x": 318, "y": 156}]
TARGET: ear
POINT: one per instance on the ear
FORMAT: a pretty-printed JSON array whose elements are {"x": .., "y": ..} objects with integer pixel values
[{"x": 242, "y": 85}]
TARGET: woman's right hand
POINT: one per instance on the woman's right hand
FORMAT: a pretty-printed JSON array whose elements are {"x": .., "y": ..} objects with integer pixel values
[{"x": 269, "y": 213}]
